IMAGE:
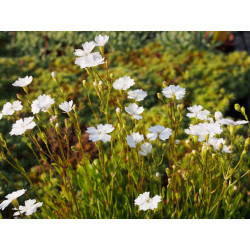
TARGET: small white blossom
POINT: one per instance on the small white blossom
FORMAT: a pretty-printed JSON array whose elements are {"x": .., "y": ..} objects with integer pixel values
[
  {"x": 118, "y": 110},
  {"x": 218, "y": 115},
  {"x": 134, "y": 110},
  {"x": 22, "y": 125},
  {"x": 87, "y": 49},
  {"x": 231, "y": 122},
  {"x": 146, "y": 148},
  {"x": 145, "y": 202},
  {"x": 29, "y": 208},
  {"x": 134, "y": 139},
  {"x": 9, "y": 109},
  {"x": 160, "y": 131},
  {"x": 43, "y": 103},
  {"x": 177, "y": 142},
  {"x": 90, "y": 60},
  {"x": 101, "y": 40},
  {"x": 172, "y": 90},
  {"x": 11, "y": 197},
  {"x": 196, "y": 112},
  {"x": 101, "y": 133},
  {"x": 157, "y": 174},
  {"x": 67, "y": 106},
  {"x": 22, "y": 82},
  {"x": 235, "y": 187},
  {"x": 123, "y": 83},
  {"x": 137, "y": 94}
]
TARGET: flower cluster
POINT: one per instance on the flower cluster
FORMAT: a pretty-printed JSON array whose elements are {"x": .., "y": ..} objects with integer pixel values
[
  {"x": 210, "y": 127},
  {"x": 29, "y": 208},
  {"x": 87, "y": 59}
]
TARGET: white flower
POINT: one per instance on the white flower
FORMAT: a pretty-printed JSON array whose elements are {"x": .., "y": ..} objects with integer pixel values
[
  {"x": 123, "y": 83},
  {"x": 203, "y": 129},
  {"x": 22, "y": 82},
  {"x": 134, "y": 110},
  {"x": 101, "y": 40},
  {"x": 231, "y": 122},
  {"x": 218, "y": 115},
  {"x": 101, "y": 133},
  {"x": 172, "y": 90},
  {"x": 22, "y": 125},
  {"x": 157, "y": 174},
  {"x": 145, "y": 202},
  {"x": 137, "y": 94},
  {"x": 29, "y": 208},
  {"x": 146, "y": 148},
  {"x": 177, "y": 141},
  {"x": 43, "y": 103},
  {"x": 90, "y": 60},
  {"x": 67, "y": 106},
  {"x": 216, "y": 142},
  {"x": 134, "y": 139},
  {"x": 118, "y": 110},
  {"x": 9, "y": 109},
  {"x": 87, "y": 49},
  {"x": 11, "y": 197},
  {"x": 160, "y": 131},
  {"x": 196, "y": 112}
]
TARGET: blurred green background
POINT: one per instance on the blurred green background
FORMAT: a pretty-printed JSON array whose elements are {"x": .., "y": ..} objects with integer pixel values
[{"x": 212, "y": 66}]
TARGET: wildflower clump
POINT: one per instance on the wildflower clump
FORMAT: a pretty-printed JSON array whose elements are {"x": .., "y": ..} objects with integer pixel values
[{"x": 129, "y": 160}]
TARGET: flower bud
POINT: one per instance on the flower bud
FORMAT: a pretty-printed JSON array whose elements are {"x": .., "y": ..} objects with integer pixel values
[
  {"x": 157, "y": 174},
  {"x": 164, "y": 145},
  {"x": 173, "y": 167},
  {"x": 237, "y": 107},
  {"x": 52, "y": 119},
  {"x": 164, "y": 84},
  {"x": 111, "y": 75},
  {"x": 177, "y": 142},
  {"x": 243, "y": 110},
  {"x": 167, "y": 171},
  {"x": 231, "y": 129},
  {"x": 94, "y": 83},
  {"x": 221, "y": 146},
  {"x": 244, "y": 152},
  {"x": 194, "y": 152},
  {"x": 247, "y": 142},
  {"x": 84, "y": 83},
  {"x": 159, "y": 96},
  {"x": 53, "y": 74},
  {"x": 118, "y": 110},
  {"x": 19, "y": 97},
  {"x": 75, "y": 149}
]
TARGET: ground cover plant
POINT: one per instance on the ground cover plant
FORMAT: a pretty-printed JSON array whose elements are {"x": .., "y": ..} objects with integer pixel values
[{"x": 176, "y": 159}]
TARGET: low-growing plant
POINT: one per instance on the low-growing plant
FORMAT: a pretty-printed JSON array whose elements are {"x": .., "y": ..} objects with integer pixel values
[{"x": 128, "y": 163}]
